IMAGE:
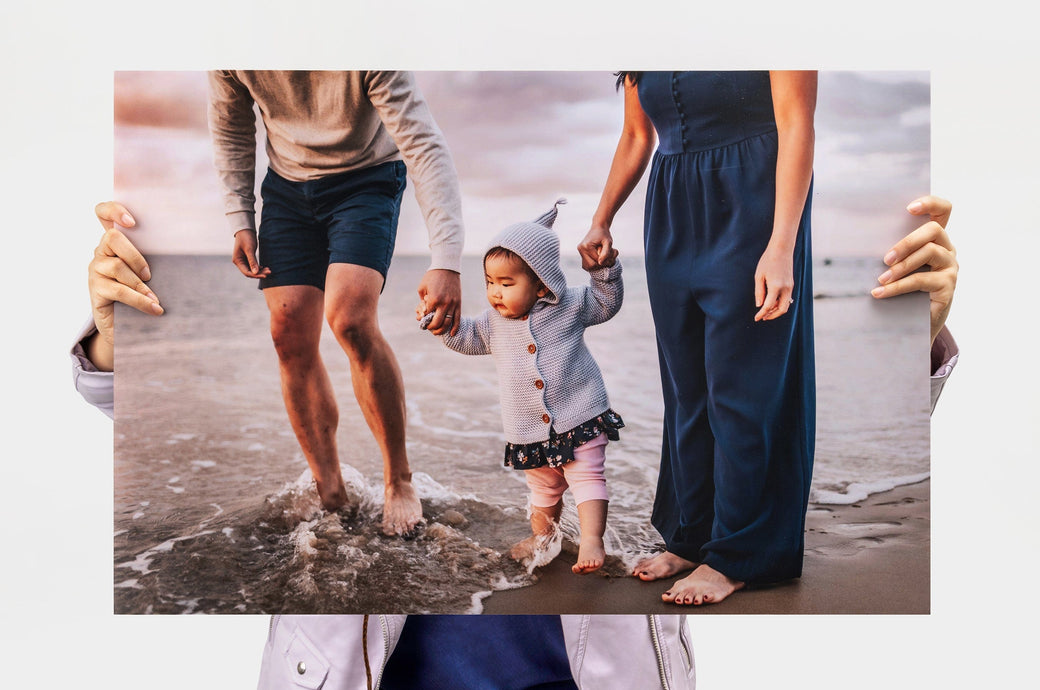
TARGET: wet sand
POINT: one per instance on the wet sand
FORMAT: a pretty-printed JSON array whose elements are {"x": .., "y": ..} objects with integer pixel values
[{"x": 868, "y": 557}]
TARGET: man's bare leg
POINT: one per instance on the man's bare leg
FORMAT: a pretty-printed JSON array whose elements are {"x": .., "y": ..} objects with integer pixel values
[
  {"x": 296, "y": 322},
  {"x": 351, "y": 303}
]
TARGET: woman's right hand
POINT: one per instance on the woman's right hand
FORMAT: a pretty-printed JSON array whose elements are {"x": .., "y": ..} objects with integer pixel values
[
  {"x": 117, "y": 273},
  {"x": 597, "y": 249}
]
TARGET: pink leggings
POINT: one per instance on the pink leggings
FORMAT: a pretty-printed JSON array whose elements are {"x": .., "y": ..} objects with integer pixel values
[{"x": 584, "y": 475}]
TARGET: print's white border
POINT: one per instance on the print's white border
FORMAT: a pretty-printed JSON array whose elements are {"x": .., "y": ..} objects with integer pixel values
[{"x": 58, "y": 59}]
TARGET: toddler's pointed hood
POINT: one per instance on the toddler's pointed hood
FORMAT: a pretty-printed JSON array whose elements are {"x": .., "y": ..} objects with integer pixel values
[{"x": 539, "y": 246}]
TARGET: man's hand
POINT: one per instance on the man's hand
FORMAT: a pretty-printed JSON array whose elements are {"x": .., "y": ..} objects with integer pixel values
[
  {"x": 244, "y": 255},
  {"x": 441, "y": 292},
  {"x": 117, "y": 273},
  {"x": 930, "y": 246}
]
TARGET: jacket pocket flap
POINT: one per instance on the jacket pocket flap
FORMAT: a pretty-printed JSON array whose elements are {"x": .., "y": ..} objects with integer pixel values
[{"x": 304, "y": 663}]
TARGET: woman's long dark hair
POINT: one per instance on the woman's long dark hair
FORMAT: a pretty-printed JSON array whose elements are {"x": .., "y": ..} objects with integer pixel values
[{"x": 623, "y": 76}]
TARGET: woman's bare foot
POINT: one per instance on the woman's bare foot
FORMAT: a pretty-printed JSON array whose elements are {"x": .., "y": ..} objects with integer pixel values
[
  {"x": 402, "y": 511},
  {"x": 664, "y": 564},
  {"x": 590, "y": 555},
  {"x": 705, "y": 585}
]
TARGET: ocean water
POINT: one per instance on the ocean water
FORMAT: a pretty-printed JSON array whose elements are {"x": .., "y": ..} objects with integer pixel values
[{"x": 215, "y": 510}]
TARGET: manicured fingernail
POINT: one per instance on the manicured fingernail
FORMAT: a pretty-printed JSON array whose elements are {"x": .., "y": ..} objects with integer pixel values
[
  {"x": 126, "y": 220},
  {"x": 151, "y": 295},
  {"x": 156, "y": 309},
  {"x": 146, "y": 273},
  {"x": 885, "y": 277},
  {"x": 890, "y": 257},
  {"x": 915, "y": 206},
  {"x": 878, "y": 291}
]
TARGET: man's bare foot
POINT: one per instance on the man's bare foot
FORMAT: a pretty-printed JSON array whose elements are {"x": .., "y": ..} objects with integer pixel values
[
  {"x": 590, "y": 555},
  {"x": 332, "y": 499},
  {"x": 705, "y": 585},
  {"x": 402, "y": 511},
  {"x": 664, "y": 564}
]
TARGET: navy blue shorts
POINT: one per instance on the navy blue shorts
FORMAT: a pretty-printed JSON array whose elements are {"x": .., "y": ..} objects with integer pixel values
[{"x": 347, "y": 218}]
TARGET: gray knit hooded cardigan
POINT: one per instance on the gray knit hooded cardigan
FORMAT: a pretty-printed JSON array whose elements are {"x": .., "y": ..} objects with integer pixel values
[{"x": 547, "y": 377}]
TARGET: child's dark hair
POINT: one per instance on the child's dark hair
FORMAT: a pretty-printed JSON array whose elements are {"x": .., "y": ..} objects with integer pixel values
[
  {"x": 622, "y": 77},
  {"x": 512, "y": 257}
]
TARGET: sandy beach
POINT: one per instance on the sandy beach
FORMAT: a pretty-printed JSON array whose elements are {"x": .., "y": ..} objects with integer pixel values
[{"x": 868, "y": 557}]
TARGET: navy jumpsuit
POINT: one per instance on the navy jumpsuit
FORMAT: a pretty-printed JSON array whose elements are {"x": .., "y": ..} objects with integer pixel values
[{"x": 739, "y": 396}]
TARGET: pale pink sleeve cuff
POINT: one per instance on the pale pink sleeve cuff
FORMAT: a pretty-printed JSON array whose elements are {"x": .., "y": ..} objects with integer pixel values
[
  {"x": 96, "y": 387},
  {"x": 944, "y": 358}
]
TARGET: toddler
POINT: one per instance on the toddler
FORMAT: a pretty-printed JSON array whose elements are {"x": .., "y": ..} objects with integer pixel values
[{"x": 554, "y": 405}]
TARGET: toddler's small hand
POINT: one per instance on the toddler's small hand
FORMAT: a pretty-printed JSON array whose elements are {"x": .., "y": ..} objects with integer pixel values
[{"x": 608, "y": 259}]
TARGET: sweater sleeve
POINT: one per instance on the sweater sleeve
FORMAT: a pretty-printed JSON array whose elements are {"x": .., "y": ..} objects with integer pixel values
[
  {"x": 944, "y": 358},
  {"x": 95, "y": 386},
  {"x": 407, "y": 119},
  {"x": 601, "y": 298},
  {"x": 473, "y": 337},
  {"x": 232, "y": 126}
]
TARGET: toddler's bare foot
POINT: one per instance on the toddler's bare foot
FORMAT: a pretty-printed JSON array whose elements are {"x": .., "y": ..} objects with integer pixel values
[
  {"x": 664, "y": 564},
  {"x": 401, "y": 509},
  {"x": 705, "y": 585},
  {"x": 538, "y": 549},
  {"x": 590, "y": 555},
  {"x": 524, "y": 550}
]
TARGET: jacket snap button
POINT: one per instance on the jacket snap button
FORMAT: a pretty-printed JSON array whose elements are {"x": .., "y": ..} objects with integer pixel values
[
  {"x": 545, "y": 418},
  {"x": 531, "y": 348},
  {"x": 301, "y": 668},
  {"x": 539, "y": 384}
]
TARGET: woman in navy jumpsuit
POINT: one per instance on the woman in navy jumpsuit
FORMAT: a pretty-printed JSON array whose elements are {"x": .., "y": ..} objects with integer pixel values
[{"x": 728, "y": 267}]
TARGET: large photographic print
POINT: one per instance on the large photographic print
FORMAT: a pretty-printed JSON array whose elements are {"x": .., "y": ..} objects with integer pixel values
[{"x": 216, "y": 509}]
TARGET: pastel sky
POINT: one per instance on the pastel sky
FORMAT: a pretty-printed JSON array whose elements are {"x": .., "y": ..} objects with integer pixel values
[{"x": 520, "y": 140}]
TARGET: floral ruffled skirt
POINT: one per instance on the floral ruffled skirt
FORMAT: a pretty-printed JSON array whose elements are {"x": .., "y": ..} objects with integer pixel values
[{"x": 559, "y": 449}]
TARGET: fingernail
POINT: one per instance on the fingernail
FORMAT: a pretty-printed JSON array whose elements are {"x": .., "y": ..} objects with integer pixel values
[
  {"x": 146, "y": 274},
  {"x": 151, "y": 295},
  {"x": 878, "y": 291},
  {"x": 885, "y": 277},
  {"x": 156, "y": 309},
  {"x": 890, "y": 257},
  {"x": 126, "y": 220},
  {"x": 915, "y": 206}
]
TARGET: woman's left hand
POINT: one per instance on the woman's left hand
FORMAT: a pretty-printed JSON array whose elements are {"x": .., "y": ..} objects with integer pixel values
[
  {"x": 774, "y": 283},
  {"x": 927, "y": 246}
]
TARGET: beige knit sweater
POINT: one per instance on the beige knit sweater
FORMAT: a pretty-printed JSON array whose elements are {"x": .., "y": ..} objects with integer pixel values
[{"x": 323, "y": 123}]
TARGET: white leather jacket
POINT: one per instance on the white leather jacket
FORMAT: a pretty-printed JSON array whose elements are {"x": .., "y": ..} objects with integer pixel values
[{"x": 348, "y": 652}]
